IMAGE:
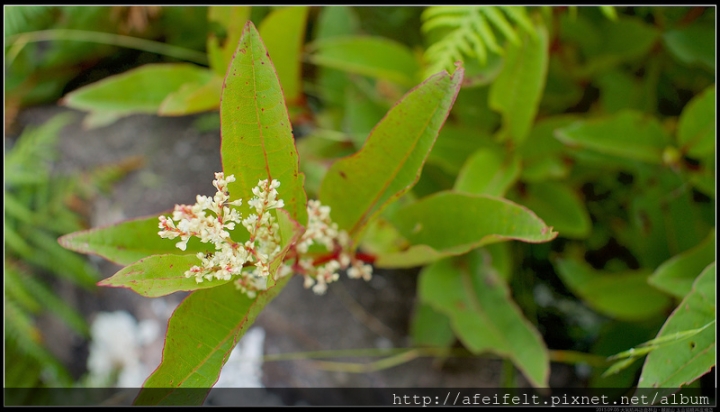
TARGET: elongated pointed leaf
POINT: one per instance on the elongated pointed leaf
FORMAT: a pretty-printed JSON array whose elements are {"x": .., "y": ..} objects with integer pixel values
[
  {"x": 624, "y": 296},
  {"x": 679, "y": 364},
  {"x": 160, "y": 275},
  {"x": 128, "y": 241},
  {"x": 202, "y": 331},
  {"x": 140, "y": 90},
  {"x": 677, "y": 275},
  {"x": 193, "y": 98},
  {"x": 370, "y": 56},
  {"x": 696, "y": 129},
  {"x": 560, "y": 207},
  {"x": 517, "y": 90},
  {"x": 283, "y": 32},
  {"x": 488, "y": 172},
  {"x": 226, "y": 24},
  {"x": 457, "y": 222},
  {"x": 483, "y": 314},
  {"x": 628, "y": 134},
  {"x": 257, "y": 141},
  {"x": 693, "y": 44},
  {"x": 431, "y": 328},
  {"x": 415, "y": 255},
  {"x": 360, "y": 186}
]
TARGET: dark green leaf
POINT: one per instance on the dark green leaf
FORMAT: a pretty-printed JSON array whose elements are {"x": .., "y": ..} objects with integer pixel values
[
  {"x": 483, "y": 314},
  {"x": 625, "y": 296},
  {"x": 693, "y": 44},
  {"x": 677, "y": 275},
  {"x": 517, "y": 90},
  {"x": 696, "y": 129},
  {"x": 431, "y": 328},
  {"x": 559, "y": 206}
]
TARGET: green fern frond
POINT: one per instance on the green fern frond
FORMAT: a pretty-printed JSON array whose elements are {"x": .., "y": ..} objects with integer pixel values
[{"x": 471, "y": 32}]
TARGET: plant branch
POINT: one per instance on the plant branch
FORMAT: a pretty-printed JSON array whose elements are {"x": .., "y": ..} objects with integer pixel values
[{"x": 18, "y": 42}]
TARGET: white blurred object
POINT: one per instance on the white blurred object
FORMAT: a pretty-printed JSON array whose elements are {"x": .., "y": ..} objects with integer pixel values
[
  {"x": 118, "y": 342},
  {"x": 244, "y": 367},
  {"x": 115, "y": 350}
]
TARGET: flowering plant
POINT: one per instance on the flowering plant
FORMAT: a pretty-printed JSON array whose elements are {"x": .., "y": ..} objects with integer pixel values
[
  {"x": 245, "y": 254},
  {"x": 264, "y": 241}
]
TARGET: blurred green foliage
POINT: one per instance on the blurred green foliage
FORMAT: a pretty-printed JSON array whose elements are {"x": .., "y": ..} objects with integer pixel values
[
  {"x": 41, "y": 205},
  {"x": 600, "y": 120},
  {"x": 36, "y": 212}
]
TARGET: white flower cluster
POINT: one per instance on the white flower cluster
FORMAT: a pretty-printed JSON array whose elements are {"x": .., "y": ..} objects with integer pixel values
[
  {"x": 324, "y": 269},
  {"x": 231, "y": 257}
]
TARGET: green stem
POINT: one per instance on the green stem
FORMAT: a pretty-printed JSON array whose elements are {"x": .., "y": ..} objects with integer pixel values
[
  {"x": 508, "y": 374},
  {"x": 19, "y": 41},
  {"x": 397, "y": 356}
]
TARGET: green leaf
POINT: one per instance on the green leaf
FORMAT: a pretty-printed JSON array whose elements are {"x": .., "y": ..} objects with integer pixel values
[
  {"x": 542, "y": 154},
  {"x": 226, "y": 23},
  {"x": 604, "y": 44},
  {"x": 128, "y": 242},
  {"x": 681, "y": 363},
  {"x": 693, "y": 44},
  {"x": 431, "y": 328},
  {"x": 653, "y": 344},
  {"x": 376, "y": 57},
  {"x": 677, "y": 275},
  {"x": 483, "y": 314},
  {"x": 389, "y": 164},
  {"x": 336, "y": 21},
  {"x": 283, "y": 32},
  {"x": 202, "y": 331},
  {"x": 488, "y": 172},
  {"x": 517, "y": 91},
  {"x": 140, "y": 90},
  {"x": 624, "y": 296},
  {"x": 625, "y": 39},
  {"x": 619, "y": 91},
  {"x": 159, "y": 275},
  {"x": 455, "y": 145},
  {"x": 49, "y": 255},
  {"x": 559, "y": 206},
  {"x": 361, "y": 115},
  {"x": 456, "y": 222},
  {"x": 696, "y": 128},
  {"x": 332, "y": 22},
  {"x": 609, "y": 12},
  {"x": 193, "y": 98},
  {"x": 257, "y": 141},
  {"x": 628, "y": 134},
  {"x": 412, "y": 256}
]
